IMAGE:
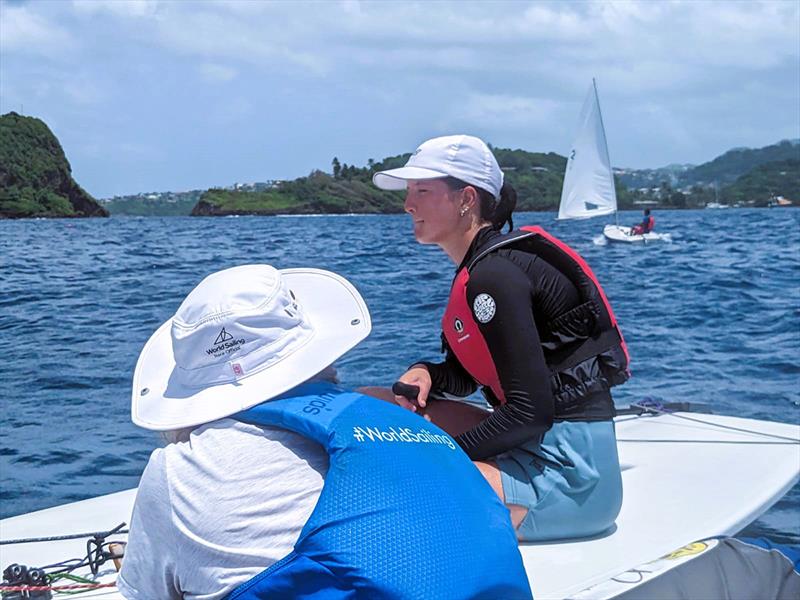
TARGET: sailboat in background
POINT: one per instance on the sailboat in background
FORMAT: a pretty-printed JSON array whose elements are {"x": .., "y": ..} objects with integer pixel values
[{"x": 588, "y": 180}]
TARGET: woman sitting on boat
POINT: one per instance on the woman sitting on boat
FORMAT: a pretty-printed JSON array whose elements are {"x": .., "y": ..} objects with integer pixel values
[{"x": 528, "y": 322}]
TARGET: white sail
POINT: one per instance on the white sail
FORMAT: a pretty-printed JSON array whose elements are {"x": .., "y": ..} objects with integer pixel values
[{"x": 588, "y": 181}]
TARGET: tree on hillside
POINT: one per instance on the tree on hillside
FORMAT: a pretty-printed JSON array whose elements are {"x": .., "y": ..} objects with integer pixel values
[
  {"x": 779, "y": 178},
  {"x": 677, "y": 199},
  {"x": 337, "y": 168}
]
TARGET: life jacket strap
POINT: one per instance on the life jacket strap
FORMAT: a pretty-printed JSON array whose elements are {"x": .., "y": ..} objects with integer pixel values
[
  {"x": 507, "y": 239},
  {"x": 591, "y": 347}
]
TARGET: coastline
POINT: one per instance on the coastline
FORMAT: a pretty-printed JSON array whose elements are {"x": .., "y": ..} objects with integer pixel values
[{"x": 553, "y": 210}]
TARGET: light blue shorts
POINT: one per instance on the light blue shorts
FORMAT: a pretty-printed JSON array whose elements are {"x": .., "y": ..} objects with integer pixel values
[{"x": 570, "y": 481}]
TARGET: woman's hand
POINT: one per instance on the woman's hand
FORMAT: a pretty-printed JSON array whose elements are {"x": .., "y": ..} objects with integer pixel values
[{"x": 419, "y": 376}]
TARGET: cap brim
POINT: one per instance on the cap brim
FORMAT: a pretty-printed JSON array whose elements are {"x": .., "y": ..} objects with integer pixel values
[
  {"x": 395, "y": 179},
  {"x": 340, "y": 319}
]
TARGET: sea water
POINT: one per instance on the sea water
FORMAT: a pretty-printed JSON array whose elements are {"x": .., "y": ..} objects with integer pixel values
[{"x": 711, "y": 316}]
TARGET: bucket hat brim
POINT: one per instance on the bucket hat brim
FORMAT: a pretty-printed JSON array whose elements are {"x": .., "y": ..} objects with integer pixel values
[{"x": 340, "y": 319}]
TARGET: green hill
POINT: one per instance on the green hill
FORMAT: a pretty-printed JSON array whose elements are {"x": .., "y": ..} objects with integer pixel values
[
  {"x": 728, "y": 167},
  {"x": 156, "y": 204},
  {"x": 650, "y": 178},
  {"x": 317, "y": 193},
  {"x": 537, "y": 177},
  {"x": 35, "y": 177},
  {"x": 779, "y": 178},
  {"x": 723, "y": 170}
]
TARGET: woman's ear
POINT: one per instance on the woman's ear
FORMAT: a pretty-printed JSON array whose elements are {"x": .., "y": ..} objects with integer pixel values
[{"x": 469, "y": 198}]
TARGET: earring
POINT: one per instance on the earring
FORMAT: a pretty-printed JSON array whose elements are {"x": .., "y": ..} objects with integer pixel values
[{"x": 463, "y": 212}]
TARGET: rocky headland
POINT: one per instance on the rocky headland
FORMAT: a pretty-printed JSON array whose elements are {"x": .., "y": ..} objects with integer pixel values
[{"x": 35, "y": 176}]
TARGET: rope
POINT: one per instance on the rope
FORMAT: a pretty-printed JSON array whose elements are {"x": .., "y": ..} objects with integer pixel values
[
  {"x": 72, "y": 536},
  {"x": 55, "y": 588},
  {"x": 655, "y": 407}
]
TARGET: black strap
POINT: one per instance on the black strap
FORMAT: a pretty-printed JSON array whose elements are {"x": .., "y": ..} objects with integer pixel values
[
  {"x": 507, "y": 239},
  {"x": 591, "y": 347}
]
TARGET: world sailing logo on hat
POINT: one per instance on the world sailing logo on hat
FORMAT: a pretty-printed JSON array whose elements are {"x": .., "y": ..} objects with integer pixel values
[
  {"x": 223, "y": 336},
  {"x": 225, "y": 344}
]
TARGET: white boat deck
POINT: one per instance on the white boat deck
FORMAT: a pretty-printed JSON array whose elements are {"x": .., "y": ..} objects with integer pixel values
[{"x": 682, "y": 481}]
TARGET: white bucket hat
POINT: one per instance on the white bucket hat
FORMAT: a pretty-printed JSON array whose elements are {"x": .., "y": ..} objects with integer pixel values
[
  {"x": 242, "y": 336},
  {"x": 464, "y": 157}
]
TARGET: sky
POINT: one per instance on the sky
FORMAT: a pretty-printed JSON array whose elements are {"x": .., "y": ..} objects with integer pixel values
[{"x": 157, "y": 95}]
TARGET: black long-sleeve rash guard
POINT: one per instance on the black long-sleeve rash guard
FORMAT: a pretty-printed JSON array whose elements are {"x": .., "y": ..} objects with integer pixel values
[{"x": 526, "y": 290}]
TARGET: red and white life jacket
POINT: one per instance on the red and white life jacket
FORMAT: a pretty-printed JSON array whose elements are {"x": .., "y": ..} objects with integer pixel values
[{"x": 598, "y": 331}]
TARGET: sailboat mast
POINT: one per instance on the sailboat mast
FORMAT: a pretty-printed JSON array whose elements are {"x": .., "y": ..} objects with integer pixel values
[{"x": 603, "y": 126}]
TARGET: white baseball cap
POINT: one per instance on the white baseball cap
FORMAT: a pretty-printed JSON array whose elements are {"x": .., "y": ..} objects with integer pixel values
[
  {"x": 464, "y": 157},
  {"x": 243, "y": 336}
]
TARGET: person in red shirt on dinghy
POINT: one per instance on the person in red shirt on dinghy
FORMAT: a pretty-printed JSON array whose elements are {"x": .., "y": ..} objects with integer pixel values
[{"x": 646, "y": 226}]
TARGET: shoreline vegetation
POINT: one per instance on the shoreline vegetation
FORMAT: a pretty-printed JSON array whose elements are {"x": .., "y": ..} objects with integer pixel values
[
  {"x": 36, "y": 181},
  {"x": 35, "y": 176}
]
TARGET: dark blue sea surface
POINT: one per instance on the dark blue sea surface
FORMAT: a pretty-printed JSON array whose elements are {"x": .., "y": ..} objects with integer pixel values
[{"x": 712, "y": 316}]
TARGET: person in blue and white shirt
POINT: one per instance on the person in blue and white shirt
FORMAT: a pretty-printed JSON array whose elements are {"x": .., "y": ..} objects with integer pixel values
[{"x": 276, "y": 482}]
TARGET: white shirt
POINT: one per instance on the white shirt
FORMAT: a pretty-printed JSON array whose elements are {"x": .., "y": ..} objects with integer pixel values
[{"x": 215, "y": 511}]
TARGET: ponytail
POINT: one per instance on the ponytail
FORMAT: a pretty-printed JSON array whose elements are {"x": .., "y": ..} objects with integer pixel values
[{"x": 505, "y": 206}]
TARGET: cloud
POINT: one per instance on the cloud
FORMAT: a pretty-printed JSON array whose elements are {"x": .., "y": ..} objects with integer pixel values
[
  {"x": 235, "y": 110},
  {"x": 140, "y": 151},
  {"x": 24, "y": 31},
  {"x": 505, "y": 111},
  {"x": 211, "y": 33},
  {"x": 678, "y": 81},
  {"x": 550, "y": 23},
  {"x": 215, "y": 73},
  {"x": 119, "y": 8},
  {"x": 82, "y": 93},
  {"x": 322, "y": 39}
]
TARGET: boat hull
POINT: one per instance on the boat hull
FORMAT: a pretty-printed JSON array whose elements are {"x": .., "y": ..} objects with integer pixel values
[
  {"x": 622, "y": 234},
  {"x": 683, "y": 481}
]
